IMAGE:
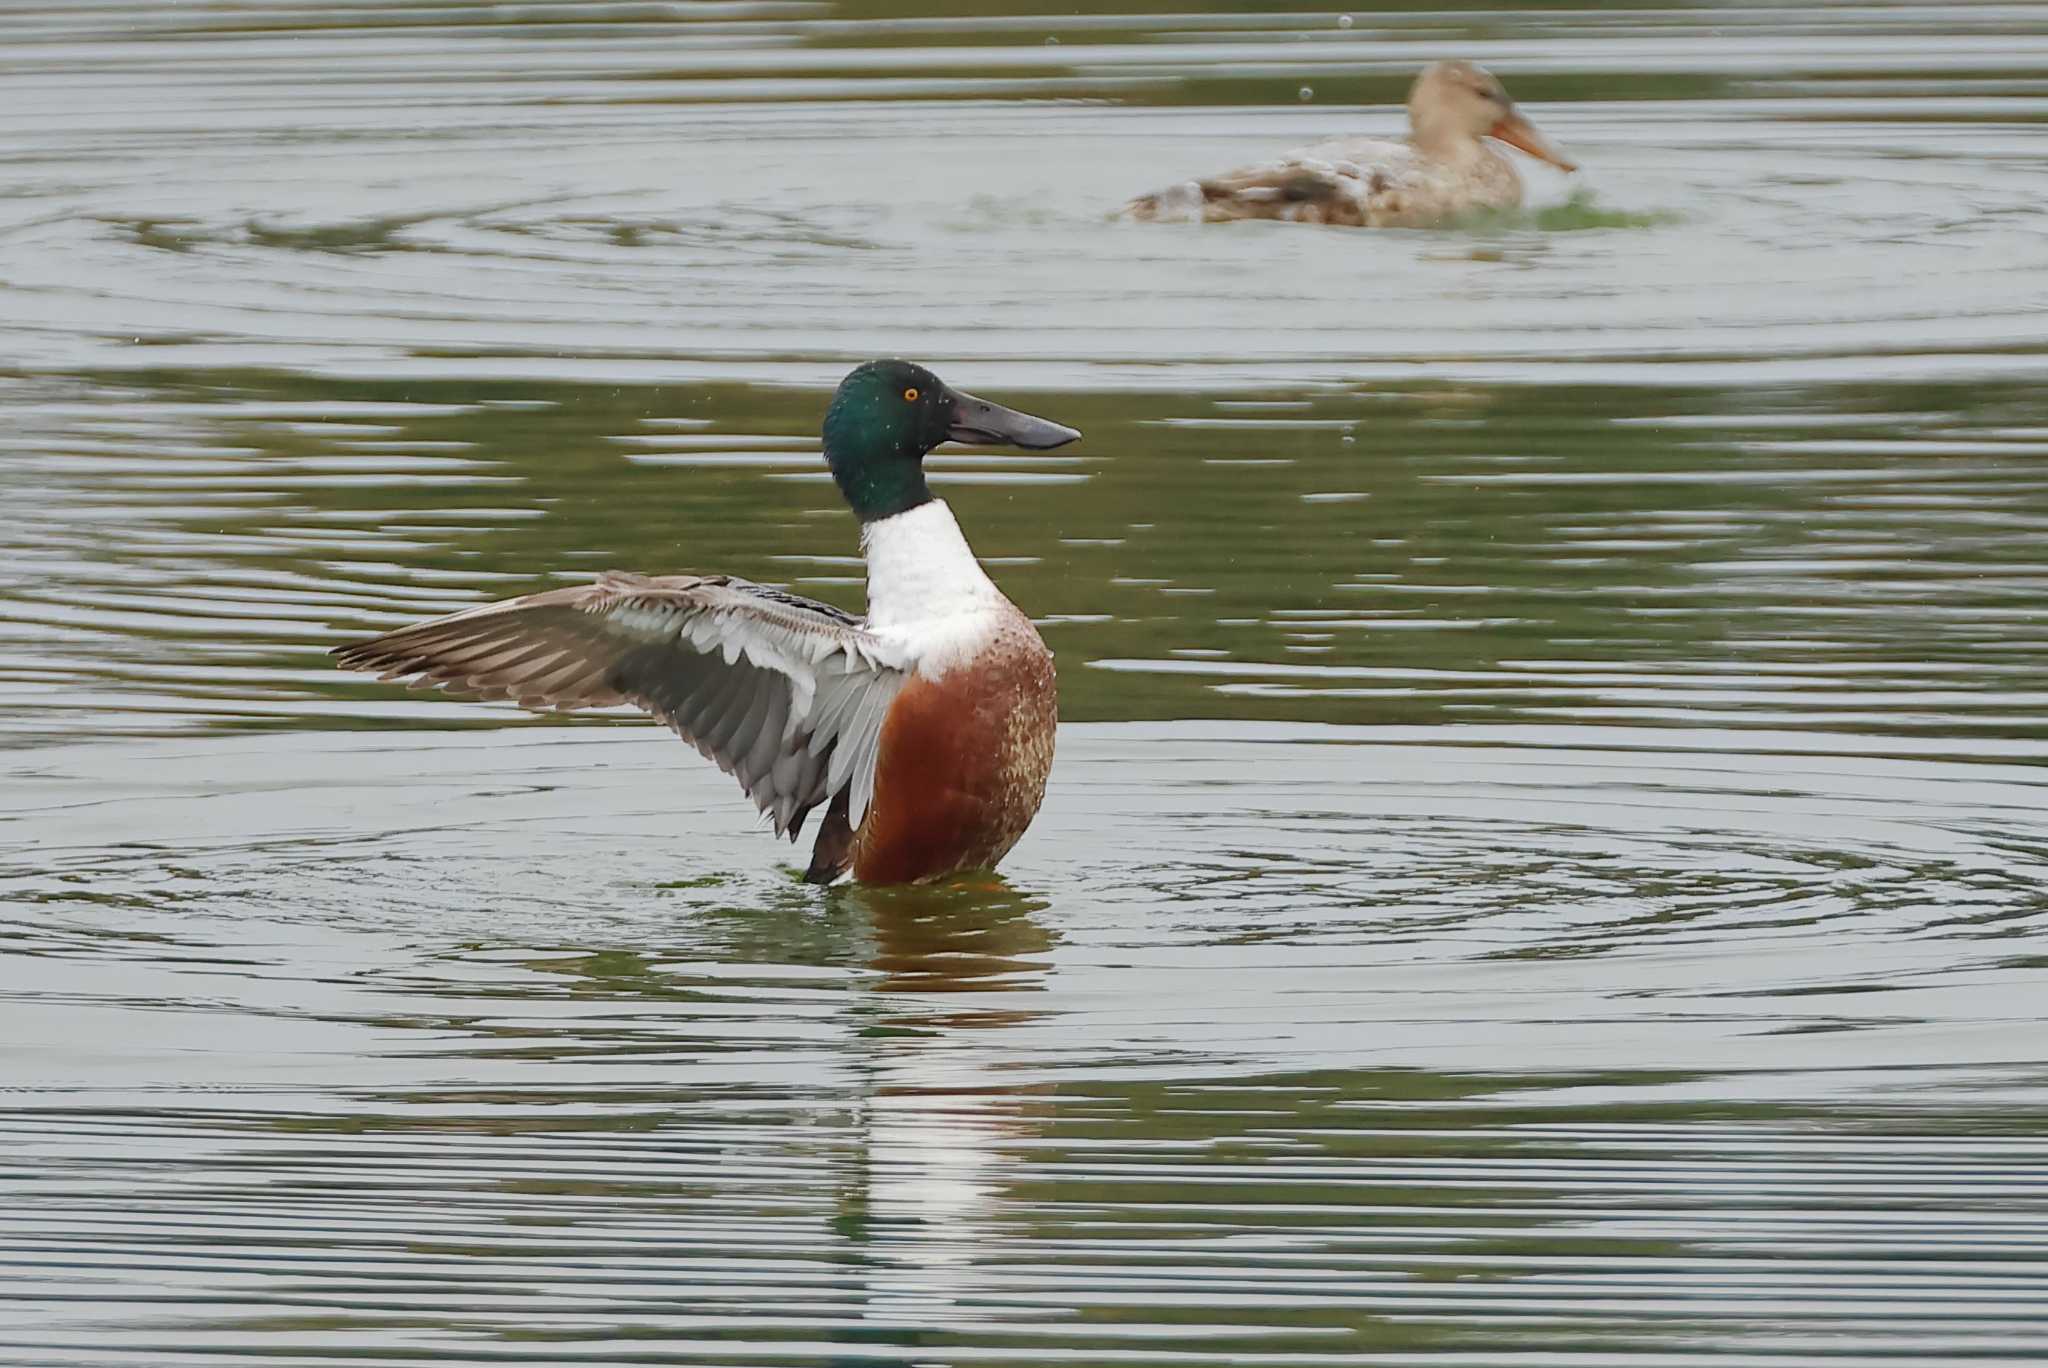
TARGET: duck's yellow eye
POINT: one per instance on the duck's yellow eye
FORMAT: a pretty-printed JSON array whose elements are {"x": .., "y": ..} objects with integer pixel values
[{"x": 911, "y": 394}]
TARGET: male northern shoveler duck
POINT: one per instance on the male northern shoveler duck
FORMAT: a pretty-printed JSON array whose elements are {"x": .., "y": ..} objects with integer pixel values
[
  {"x": 926, "y": 728},
  {"x": 1443, "y": 170}
]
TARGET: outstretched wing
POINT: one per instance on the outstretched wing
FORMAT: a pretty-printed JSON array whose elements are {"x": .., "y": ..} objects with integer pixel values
[{"x": 786, "y": 694}]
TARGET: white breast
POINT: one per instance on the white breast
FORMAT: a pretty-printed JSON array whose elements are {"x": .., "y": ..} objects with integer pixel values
[{"x": 926, "y": 592}]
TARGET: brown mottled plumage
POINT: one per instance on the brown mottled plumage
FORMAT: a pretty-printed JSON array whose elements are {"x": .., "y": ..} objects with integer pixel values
[{"x": 1444, "y": 168}]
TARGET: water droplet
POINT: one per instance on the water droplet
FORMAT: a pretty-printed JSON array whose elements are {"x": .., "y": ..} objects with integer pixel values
[
  {"x": 1343, "y": 21},
  {"x": 1349, "y": 439},
  {"x": 1307, "y": 93},
  {"x": 1051, "y": 41}
]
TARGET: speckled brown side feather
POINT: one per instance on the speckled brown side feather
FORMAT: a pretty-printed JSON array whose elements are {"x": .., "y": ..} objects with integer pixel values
[
  {"x": 963, "y": 764},
  {"x": 1358, "y": 183}
]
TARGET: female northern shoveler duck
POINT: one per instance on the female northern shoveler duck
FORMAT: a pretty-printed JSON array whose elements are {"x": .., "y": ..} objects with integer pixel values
[
  {"x": 926, "y": 728},
  {"x": 1442, "y": 171}
]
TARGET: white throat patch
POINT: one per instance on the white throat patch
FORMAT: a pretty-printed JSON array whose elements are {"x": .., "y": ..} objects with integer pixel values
[{"x": 926, "y": 592}]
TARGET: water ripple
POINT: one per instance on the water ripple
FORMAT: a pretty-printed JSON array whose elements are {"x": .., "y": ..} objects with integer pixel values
[{"x": 1545, "y": 864}]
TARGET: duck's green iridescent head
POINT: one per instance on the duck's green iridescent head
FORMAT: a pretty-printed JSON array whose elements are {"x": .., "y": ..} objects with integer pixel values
[{"x": 888, "y": 414}]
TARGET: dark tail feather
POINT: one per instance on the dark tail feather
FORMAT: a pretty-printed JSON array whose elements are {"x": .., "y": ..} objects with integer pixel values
[{"x": 832, "y": 853}]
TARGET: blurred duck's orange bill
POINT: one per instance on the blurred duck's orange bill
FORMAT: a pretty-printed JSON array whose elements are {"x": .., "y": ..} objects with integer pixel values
[{"x": 1518, "y": 132}]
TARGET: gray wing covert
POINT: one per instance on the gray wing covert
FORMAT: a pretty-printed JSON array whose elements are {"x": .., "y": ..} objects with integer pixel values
[{"x": 784, "y": 693}]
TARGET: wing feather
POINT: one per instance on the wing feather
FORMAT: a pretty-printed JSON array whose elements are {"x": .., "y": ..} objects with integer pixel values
[
  {"x": 784, "y": 693},
  {"x": 736, "y": 693},
  {"x": 760, "y": 758},
  {"x": 864, "y": 731},
  {"x": 752, "y": 715}
]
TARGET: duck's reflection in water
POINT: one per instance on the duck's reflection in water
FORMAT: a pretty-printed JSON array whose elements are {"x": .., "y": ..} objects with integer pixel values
[
  {"x": 980, "y": 936},
  {"x": 921, "y": 1208}
]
